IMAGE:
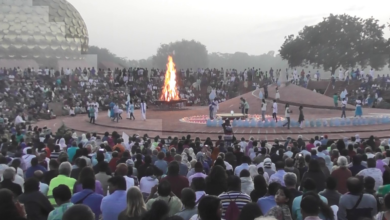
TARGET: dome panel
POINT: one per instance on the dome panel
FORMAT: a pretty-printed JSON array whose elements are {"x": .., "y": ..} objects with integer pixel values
[{"x": 45, "y": 28}]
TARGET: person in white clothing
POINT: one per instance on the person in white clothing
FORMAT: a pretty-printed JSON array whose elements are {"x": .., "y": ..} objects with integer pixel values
[
  {"x": 148, "y": 182},
  {"x": 19, "y": 119},
  {"x": 27, "y": 158},
  {"x": 263, "y": 109},
  {"x": 96, "y": 104},
  {"x": 274, "y": 110},
  {"x": 143, "y": 109}
]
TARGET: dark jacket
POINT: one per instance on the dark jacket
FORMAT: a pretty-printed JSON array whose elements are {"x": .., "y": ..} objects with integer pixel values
[
  {"x": 36, "y": 204},
  {"x": 49, "y": 175},
  {"x": 15, "y": 188}
]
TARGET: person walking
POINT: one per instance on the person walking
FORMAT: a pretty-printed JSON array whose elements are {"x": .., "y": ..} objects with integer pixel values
[
  {"x": 143, "y": 109},
  {"x": 130, "y": 111},
  {"x": 274, "y": 110},
  {"x": 358, "y": 110},
  {"x": 287, "y": 112},
  {"x": 301, "y": 117},
  {"x": 343, "y": 106}
]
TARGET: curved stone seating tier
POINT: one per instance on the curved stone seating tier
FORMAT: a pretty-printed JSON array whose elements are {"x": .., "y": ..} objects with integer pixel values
[{"x": 317, "y": 123}]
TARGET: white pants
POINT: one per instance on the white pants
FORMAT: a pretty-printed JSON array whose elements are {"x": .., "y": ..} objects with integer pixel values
[
  {"x": 96, "y": 115},
  {"x": 143, "y": 115},
  {"x": 128, "y": 114}
]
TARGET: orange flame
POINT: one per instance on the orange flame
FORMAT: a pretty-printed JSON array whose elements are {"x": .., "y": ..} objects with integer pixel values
[{"x": 169, "y": 91}]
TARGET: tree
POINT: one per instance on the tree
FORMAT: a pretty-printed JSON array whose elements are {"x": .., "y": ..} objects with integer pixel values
[
  {"x": 104, "y": 55},
  {"x": 186, "y": 54},
  {"x": 337, "y": 41}
]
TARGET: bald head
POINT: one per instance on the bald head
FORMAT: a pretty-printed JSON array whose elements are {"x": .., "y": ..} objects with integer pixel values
[
  {"x": 354, "y": 185},
  {"x": 78, "y": 212},
  {"x": 38, "y": 174},
  {"x": 121, "y": 169}
]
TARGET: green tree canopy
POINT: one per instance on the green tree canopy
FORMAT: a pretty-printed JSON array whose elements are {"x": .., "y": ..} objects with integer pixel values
[
  {"x": 338, "y": 41},
  {"x": 186, "y": 54}
]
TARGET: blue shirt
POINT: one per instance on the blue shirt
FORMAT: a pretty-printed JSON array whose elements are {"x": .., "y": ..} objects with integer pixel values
[
  {"x": 266, "y": 203},
  {"x": 243, "y": 166},
  {"x": 113, "y": 204},
  {"x": 278, "y": 177},
  {"x": 30, "y": 171},
  {"x": 71, "y": 152},
  {"x": 93, "y": 200},
  {"x": 162, "y": 165}
]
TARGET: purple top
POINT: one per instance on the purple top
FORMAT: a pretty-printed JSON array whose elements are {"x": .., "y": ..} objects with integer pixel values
[
  {"x": 98, "y": 188},
  {"x": 379, "y": 165}
]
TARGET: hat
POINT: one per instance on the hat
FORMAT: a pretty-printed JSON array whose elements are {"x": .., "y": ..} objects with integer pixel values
[
  {"x": 130, "y": 162},
  {"x": 267, "y": 163}
]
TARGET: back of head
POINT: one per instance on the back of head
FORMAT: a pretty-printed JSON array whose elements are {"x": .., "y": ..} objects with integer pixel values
[
  {"x": 65, "y": 168},
  {"x": 62, "y": 193},
  {"x": 121, "y": 169},
  {"x": 208, "y": 208},
  {"x": 290, "y": 179},
  {"x": 250, "y": 211},
  {"x": 198, "y": 184},
  {"x": 309, "y": 184},
  {"x": 135, "y": 202},
  {"x": 289, "y": 162},
  {"x": 234, "y": 183},
  {"x": 173, "y": 168},
  {"x": 78, "y": 212},
  {"x": 273, "y": 188},
  {"x": 188, "y": 198},
  {"x": 158, "y": 211},
  {"x": 371, "y": 163},
  {"x": 31, "y": 185},
  {"x": 279, "y": 165},
  {"x": 164, "y": 188},
  {"x": 331, "y": 183},
  {"x": 118, "y": 182},
  {"x": 88, "y": 183},
  {"x": 9, "y": 174},
  {"x": 354, "y": 185},
  {"x": 369, "y": 183}
]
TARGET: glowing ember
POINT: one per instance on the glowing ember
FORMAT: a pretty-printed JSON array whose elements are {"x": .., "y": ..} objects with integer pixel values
[{"x": 169, "y": 91}]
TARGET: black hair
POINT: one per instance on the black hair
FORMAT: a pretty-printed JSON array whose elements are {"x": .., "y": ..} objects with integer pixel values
[
  {"x": 164, "y": 188},
  {"x": 188, "y": 198},
  {"x": 331, "y": 183},
  {"x": 245, "y": 173},
  {"x": 354, "y": 185},
  {"x": 208, "y": 208},
  {"x": 273, "y": 188},
  {"x": 198, "y": 184},
  {"x": 149, "y": 171},
  {"x": 78, "y": 212},
  {"x": 173, "y": 168},
  {"x": 158, "y": 211},
  {"x": 62, "y": 193},
  {"x": 31, "y": 185},
  {"x": 250, "y": 211},
  {"x": 234, "y": 183},
  {"x": 88, "y": 183},
  {"x": 118, "y": 181},
  {"x": 309, "y": 184},
  {"x": 312, "y": 205}
]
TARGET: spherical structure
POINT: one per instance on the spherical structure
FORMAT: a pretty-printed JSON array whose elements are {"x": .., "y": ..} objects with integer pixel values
[{"x": 41, "y": 29}]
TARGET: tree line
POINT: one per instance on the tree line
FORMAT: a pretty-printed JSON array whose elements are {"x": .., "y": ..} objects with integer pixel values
[{"x": 339, "y": 41}]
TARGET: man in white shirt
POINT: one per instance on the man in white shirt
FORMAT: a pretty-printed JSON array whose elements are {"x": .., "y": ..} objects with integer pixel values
[
  {"x": 372, "y": 72},
  {"x": 19, "y": 119},
  {"x": 343, "y": 106},
  {"x": 243, "y": 144},
  {"x": 27, "y": 158},
  {"x": 274, "y": 110}
]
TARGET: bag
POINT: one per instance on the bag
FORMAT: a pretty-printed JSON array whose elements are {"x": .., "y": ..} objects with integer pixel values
[
  {"x": 82, "y": 200},
  {"x": 232, "y": 211},
  {"x": 356, "y": 214}
]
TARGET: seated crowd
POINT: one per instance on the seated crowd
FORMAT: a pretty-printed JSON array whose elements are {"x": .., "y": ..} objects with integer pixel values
[{"x": 91, "y": 177}]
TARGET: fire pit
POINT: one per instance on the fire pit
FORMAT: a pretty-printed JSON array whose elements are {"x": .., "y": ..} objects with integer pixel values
[{"x": 170, "y": 98}]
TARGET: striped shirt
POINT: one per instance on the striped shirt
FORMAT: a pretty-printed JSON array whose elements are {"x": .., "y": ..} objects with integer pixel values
[{"x": 241, "y": 199}]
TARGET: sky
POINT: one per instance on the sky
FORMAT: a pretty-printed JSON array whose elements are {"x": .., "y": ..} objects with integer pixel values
[{"x": 134, "y": 29}]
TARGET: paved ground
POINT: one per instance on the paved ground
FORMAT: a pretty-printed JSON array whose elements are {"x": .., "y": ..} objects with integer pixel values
[{"x": 166, "y": 123}]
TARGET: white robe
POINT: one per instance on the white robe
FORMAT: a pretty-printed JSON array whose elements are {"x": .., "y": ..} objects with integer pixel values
[{"x": 143, "y": 110}]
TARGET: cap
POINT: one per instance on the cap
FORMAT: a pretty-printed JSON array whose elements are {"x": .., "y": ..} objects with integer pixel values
[
  {"x": 267, "y": 163},
  {"x": 130, "y": 162}
]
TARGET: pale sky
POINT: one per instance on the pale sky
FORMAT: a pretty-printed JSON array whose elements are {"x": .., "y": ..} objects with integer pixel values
[{"x": 136, "y": 28}]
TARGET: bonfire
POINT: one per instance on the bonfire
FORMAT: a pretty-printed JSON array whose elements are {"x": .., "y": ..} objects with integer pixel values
[{"x": 169, "y": 90}]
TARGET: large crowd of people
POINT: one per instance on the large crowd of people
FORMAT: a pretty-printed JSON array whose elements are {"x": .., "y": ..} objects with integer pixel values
[{"x": 70, "y": 177}]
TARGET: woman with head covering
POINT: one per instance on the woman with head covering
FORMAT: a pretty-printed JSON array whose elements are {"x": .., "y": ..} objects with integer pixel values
[
  {"x": 253, "y": 171},
  {"x": 191, "y": 153},
  {"x": 84, "y": 139},
  {"x": 191, "y": 171},
  {"x": 62, "y": 144},
  {"x": 184, "y": 160}
]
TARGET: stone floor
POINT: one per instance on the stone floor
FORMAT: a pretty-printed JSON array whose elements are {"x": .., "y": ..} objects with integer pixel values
[{"x": 167, "y": 123}]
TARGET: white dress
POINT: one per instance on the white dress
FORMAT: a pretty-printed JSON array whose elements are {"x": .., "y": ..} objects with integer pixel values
[
  {"x": 277, "y": 95},
  {"x": 143, "y": 110}
]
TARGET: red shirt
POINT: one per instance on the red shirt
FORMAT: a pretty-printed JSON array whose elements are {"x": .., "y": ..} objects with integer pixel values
[
  {"x": 112, "y": 163},
  {"x": 177, "y": 183},
  {"x": 342, "y": 174}
]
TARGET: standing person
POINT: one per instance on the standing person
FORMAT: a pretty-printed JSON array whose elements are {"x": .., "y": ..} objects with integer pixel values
[
  {"x": 263, "y": 109},
  {"x": 242, "y": 105},
  {"x": 115, "y": 110},
  {"x": 228, "y": 133},
  {"x": 274, "y": 110},
  {"x": 335, "y": 100},
  {"x": 287, "y": 112},
  {"x": 301, "y": 117},
  {"x": 91, "y": 114},
  {"x": 277, "y": 94},
  {"x": 143, "y": 109},
  {"x": 358, "y": 110},
  {"x": 130, "y": 111},
  {"x": 343, "y": 106},
  {"x": 211, "y": 110}
]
